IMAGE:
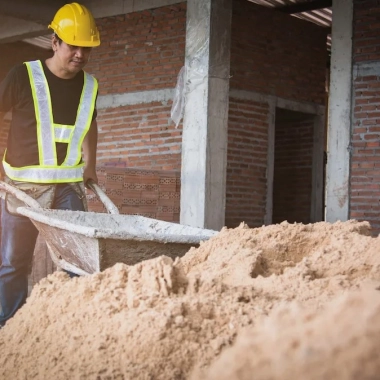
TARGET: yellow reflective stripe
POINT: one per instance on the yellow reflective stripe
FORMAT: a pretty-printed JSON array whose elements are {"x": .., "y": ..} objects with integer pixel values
[
  {"x": 83, "y": 120},
  {"x": 44, "y": 114},
  {"x": 36, "y": 111},
  {"x": 63, "y": 132},
  {"x": 48, "y": 133},
  {"x": 92, "y": 107},
  {"x": 38, "y": 174}
]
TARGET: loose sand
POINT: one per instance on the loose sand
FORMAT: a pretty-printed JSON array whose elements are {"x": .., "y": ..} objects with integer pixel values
[{"x": 278, "y": 302}]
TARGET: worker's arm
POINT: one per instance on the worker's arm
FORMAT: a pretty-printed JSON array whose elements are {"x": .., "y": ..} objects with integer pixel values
[
  {"x": 10, "y": 89},
  {"x": 8, "y": 97},
  {"x": 89, "y": 153},
  {"x": 2, "y": 173}
]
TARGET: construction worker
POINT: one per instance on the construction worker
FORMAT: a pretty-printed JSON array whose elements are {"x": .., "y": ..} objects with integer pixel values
[{"x": 53, "y": 122}]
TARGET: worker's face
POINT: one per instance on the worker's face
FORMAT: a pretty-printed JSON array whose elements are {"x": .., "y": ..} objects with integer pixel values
[{"x": 71, "y": 59}]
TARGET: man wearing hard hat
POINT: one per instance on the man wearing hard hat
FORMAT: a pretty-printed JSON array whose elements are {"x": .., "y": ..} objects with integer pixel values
[{"x": 53, "y": 121}]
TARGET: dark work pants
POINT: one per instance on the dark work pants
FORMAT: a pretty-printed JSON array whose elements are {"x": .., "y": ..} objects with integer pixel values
[{"x": 18, "y": 239}]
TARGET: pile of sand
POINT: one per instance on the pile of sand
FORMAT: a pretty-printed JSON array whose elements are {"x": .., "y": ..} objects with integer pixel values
[
  {"x": 340, "y": 342},
  {"x": 277, "y": 302}
]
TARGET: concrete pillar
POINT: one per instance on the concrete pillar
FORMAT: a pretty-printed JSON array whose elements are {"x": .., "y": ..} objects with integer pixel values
[
  {"x": 317, "y": 211},
  {"x": 270, "y": 160},
  {"x": 204, "y": 145},
  {"x": 340, "y": 113}
]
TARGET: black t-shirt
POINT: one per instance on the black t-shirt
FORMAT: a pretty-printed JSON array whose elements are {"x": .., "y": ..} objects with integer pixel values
[{"x": 16, "y": 95}]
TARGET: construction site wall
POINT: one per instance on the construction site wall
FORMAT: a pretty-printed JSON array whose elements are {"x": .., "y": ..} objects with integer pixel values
[
  {"x": 287, "y": 61},
  {"x": 139, "y": 59},
  {"x": 150, "y": 193},
  {"x": 246, "y": 162},
  {"x": 293, "y": 162},
  {"x": 141, "y": 53},
  {"x": 365, "y": 163},
  {"x": 277, "y": 54}
]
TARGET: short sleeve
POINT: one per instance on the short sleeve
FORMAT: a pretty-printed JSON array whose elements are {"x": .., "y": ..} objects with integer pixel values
[{"x": 9, "y": 89}]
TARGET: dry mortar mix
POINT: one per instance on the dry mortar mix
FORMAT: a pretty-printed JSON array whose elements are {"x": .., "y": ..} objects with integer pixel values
[{"x": 286, "y": 301}]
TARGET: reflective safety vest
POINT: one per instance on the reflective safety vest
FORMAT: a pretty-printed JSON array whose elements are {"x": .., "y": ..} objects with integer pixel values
[{"x": 49, "y": 133}]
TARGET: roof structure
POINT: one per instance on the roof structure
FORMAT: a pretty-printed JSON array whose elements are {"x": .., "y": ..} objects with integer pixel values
[{"x": 318, "y": 12}]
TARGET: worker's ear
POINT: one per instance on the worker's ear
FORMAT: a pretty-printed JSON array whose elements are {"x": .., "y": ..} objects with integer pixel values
[{"x": 54, "y": 42}]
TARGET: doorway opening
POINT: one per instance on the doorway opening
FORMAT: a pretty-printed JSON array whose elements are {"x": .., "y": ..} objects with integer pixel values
[{"x": 298, "y": 183}]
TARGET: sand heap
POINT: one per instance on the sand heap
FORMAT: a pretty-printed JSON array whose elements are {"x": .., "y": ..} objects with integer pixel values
[{"x": 277, "y": 302}]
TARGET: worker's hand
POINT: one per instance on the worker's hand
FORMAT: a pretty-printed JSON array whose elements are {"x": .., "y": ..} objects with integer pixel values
[{"x": 89, "y": 174}]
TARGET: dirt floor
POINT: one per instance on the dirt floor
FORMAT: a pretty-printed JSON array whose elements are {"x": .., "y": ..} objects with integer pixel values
[{"x": 278, "y": 302}]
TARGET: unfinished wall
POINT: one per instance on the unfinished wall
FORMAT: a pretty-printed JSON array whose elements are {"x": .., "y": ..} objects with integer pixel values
[
  {"x": 140, "y": 57},
  {"x": 277, "y": 54},
  {"x": 293, "y": 162},
  {"x": 139, "y": 136},
  {"x": 246, "y": 162},
  {"x": 150, "y": 193},
  {"x": 273, "y": 55},
  {"x": 365, "y": 164},
  {"x": 137, "y": 66}
]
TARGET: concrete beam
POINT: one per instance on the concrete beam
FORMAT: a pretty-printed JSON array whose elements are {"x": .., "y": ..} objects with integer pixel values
[
  {"x": 38, "y": 11},
  {"x": 204, "y": 144},
  {"x": 270, "y": 159},
  {"x": 132, "y": 98},
  {"x": 366, "y": 69},
  {"x": 317, "y": 188},
  {"x": 101, "y": 8},
  {"x": 340, "y": 114},
  {"x": 13, "y": 29}
]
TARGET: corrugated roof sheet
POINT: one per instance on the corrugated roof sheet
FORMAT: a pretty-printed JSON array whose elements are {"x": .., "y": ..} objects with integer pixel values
[{"x": 321, "y": 17}]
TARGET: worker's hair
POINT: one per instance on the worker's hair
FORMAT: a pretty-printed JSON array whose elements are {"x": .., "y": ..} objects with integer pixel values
[{"x": 57, "y": 37}]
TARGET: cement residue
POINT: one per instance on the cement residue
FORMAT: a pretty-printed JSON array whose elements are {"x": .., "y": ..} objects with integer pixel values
[
  {"x": 116, "y": 225},
  {"x": 172, "y": 320}
]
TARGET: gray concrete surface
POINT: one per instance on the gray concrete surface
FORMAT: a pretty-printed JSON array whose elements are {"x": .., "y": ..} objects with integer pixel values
[
  {"x": 339, "y": 114},
  {"x": 204, "y": 143}
]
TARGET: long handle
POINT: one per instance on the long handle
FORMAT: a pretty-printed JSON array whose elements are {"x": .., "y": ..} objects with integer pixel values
[
  {"x": 108, "y": 204},
  {"x": 19, "y": 194}
]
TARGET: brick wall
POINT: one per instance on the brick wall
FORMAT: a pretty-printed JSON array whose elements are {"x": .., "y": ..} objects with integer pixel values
[
  {"x": 246, "y": 162},
  {"x": 292, "y": 182},
  {"x": 145, "y": 50},
  {"x": 277, "y": 54},
  {"x": 140, "y": 51},
  {"x": 149, "y": 193},
  {"x": 365, "y": 169},
  {"x": 139, "y": 136},
  {"x": 366, "y": 31}
]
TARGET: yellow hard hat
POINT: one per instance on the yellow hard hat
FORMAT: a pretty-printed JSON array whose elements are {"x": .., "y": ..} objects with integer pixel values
[{"x": 75, "y": 25}]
